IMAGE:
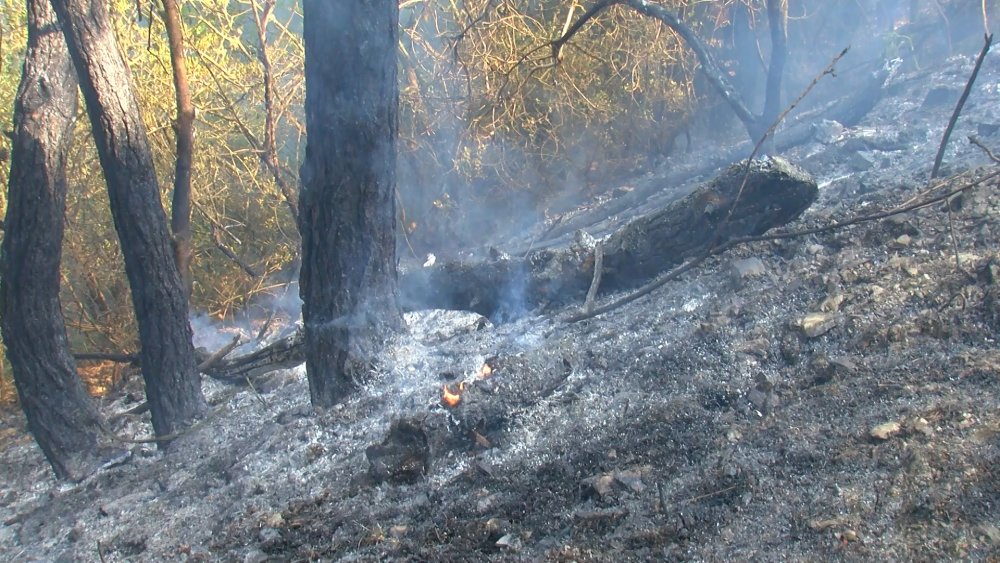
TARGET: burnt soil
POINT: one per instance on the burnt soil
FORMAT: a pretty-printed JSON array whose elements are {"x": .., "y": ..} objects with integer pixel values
[{"x": 834, "y": 396}]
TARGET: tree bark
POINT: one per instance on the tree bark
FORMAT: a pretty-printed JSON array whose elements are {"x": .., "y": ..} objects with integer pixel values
[
  {"x": 180, "y": 212},
  {"x": 60, "y": 414},
  {"x": 347, "y": 209},
  {"x": 167, "y": 355}
]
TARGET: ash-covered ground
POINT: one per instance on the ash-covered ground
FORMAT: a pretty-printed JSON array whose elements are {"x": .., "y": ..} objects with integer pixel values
[{"x": 831, "y": 396}]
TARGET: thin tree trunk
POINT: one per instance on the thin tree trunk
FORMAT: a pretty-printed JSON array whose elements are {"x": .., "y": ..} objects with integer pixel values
[
  {"x": 347, "y": 208},
  {"x": 270, "y": 148},
  {"x": 167, "y": 355},
  {"x": 180, "y": 213},
  {"x": 60, "y": 414},
  {"x": 777, "y": 20}
]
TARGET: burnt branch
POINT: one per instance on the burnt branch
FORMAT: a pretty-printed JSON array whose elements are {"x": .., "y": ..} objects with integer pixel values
[
  {"x": 988, "y": 40},
  {"x": 120, "y": 358}
]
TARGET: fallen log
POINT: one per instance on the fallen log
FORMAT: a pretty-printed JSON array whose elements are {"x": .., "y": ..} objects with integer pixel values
[
  {"x": 284, "y": 353},
  {"x": 502, "y": 287}
]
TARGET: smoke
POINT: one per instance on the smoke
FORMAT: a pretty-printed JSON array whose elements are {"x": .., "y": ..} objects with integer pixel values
[{"x": 269, "y": 316}]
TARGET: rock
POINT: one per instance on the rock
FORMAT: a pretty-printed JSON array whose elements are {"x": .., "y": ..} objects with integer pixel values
[
  {"x": 828, "y": 131},
  {"x": 743, "y": 270},
  {"x": 886, "y": 430},
  {"x": 601, "y": 485},
  {"x": 631, "y": 480},
  {"x": 762, "y": 396},
  {"x": 510, "y": 541},
  {"x": 902, "y": 241},
  {"x": 920, "y": 425},
  {"x": 817, "y": 324},
  {"x": 860, "y": 161}
]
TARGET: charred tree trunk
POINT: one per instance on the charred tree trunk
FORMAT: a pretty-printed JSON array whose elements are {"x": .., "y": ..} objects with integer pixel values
[
  {"x": 167, "y": 355},
  {"x": 180, "y": 212},
  {"x": 60, "y": 414},
  {"x": 347, "y": 210}
]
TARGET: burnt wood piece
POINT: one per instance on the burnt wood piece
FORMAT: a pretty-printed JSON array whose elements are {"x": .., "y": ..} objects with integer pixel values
[
  {"x": 500, "y": 287},
  {"x": 284, "y": 353}
]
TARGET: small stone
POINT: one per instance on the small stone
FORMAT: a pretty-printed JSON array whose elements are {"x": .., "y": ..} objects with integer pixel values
[
  {"x": 817, "y": 324},
  {"x": 630, "y": 479},
  {"x": 902, "y": 241},
  {"x": 921, "y": 426},
  {"x": 509, "y": 541},
  {"x": 886, "y": 430},
  {"x": 844, "y": 363},
  {"x": 267, "y": 535},
  {"x": 832, "y": 303},
  {"x": 828, "y": 131},
  {"x": 601, "y": 484},
  {"x": 743, "y": 270},
  {"x": 848, "y": 536},
  {"x": 398, "y": 531}
]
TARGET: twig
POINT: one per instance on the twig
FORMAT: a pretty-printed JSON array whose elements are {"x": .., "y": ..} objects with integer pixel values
[
  {"x": 707, "y": 495},
  {"x": 217, "y": 237},
  {"x": 219, "y": 354},
  {"x": 264, "y": 327},
  {"x": 106, "y": 357},
  {"x": 988, "y": 40},
  {"x": 260, "y": 398},
  {"x": 972, "y": 139},
  {"x": 588, "y": 303}
]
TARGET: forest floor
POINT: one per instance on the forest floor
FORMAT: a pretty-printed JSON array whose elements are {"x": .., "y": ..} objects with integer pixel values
[{"x": 834, "y": 396}]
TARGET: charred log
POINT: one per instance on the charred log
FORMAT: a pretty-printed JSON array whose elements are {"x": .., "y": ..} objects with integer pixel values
[
  {"x": 501, "y": 286},
  {"x": 285, "y": 353},
  {"x": 504, "y": 287}
]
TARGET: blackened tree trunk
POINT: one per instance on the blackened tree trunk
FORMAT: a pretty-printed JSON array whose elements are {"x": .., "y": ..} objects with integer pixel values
[
  {"x": 180, "y": 210},
  {"x": 346, "y": 206},
  {"x": 777, "y": 21},
  {"x": 60, "y": 414},
  {"x": 167, "y": 355}
]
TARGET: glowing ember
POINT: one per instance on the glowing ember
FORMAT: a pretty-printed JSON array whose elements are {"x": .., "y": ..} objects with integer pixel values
[{"x": 450, "y": 398}]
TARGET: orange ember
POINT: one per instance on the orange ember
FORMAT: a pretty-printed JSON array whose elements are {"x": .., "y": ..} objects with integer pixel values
[{"x": 451, "y": 398}]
